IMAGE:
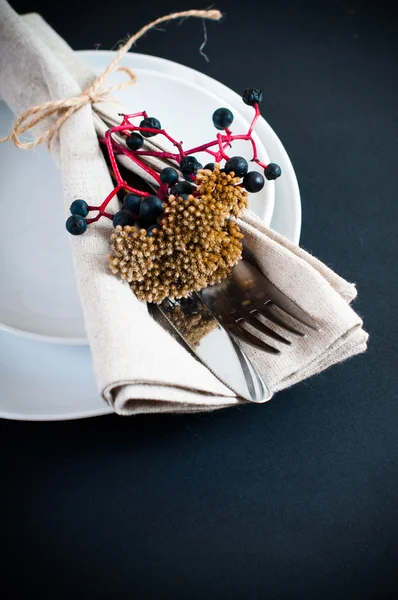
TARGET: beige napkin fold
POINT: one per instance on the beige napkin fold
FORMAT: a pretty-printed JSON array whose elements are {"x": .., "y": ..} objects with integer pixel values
[{"x": 139, "y": 367}]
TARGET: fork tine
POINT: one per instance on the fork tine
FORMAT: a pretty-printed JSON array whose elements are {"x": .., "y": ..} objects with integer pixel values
[
  {"x": 265, "y": 311},
  {"x": 244, "y": 335},
  {"x": 295, "y": 312},
  {"x": 249, "y": 317},
  {"x": 289, "y": 307},
  {"x": 252, "y": 282}
]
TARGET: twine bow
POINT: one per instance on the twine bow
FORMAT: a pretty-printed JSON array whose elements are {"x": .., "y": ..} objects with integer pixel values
[{"x": 95, "y": 93}]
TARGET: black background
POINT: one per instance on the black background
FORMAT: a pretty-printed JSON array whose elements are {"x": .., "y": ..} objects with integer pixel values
[{"x": 294, "y": 499}]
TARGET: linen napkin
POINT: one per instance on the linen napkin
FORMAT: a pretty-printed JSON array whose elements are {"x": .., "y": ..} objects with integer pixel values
[{"x": 139, "y": 367}]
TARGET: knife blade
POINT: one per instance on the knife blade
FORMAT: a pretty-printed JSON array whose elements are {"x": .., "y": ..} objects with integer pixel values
[{"x": 191, "y": 319}]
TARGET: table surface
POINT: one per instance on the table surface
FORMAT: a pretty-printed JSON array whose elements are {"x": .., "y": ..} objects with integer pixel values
[{"x": 294, "y": 499}]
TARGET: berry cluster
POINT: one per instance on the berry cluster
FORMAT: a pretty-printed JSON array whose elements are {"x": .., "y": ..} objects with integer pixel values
[
  {"x": 145, "y": 210},
  {"x": 76, "y": 224}
]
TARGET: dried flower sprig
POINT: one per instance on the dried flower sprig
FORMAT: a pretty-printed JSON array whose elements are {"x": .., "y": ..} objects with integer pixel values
[{"x": 195, "y": 245}]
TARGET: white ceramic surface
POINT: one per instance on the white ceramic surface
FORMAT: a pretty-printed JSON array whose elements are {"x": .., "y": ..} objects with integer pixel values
[
  {"x": 38, "y": 296},
  {"x": 42, "y": 381}
]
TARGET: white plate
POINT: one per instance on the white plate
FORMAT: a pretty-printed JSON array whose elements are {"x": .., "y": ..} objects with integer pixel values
[
  {"x": 41, "y": 381},
  {"x": 38, "y": 296}
]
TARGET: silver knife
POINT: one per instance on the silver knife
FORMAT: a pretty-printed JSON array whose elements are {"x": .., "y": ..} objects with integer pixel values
[{"x": 215, "y": 348}]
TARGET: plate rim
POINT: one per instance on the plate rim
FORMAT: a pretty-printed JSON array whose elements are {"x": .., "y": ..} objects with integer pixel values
[{"x": 72, "y": 416}]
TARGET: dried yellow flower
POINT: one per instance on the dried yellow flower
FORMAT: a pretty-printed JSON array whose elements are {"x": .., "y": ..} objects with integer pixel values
[{"x": 197, "y": 244}]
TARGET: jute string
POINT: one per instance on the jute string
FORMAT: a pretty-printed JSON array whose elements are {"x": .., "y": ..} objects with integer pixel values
[{"x": 96, "y": 92}]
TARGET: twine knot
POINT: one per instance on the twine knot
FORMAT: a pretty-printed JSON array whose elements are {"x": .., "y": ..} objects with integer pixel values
[
  {"x": 95, "y": 93},
  {"x": 93, "y": 97}
]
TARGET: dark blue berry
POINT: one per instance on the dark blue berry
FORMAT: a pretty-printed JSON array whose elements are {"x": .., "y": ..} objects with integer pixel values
[
  {"x": 183, "y": 187},
  {"x": 209, "y": 166},
  {"x": 169, "y": 176},
  {"x": 79, "y": 207},
  {"x": 151, "y": 123},
  {"x": 222, "y": 118},
  {"x": 252, "y": 96},
  {"x": 190, "y": 177},
  {"x": 272, "y": 171},
  {"x": 123, "y": 217},
  {"x": 151, "y": 208},
  {"x": 238, "y": 165},
  {"x": 144, "y": 223},
  {"x": 253, "y": 181},
  {"x": 134, "y": 141},
  {"x": 152, "y": 229},
  {"x": 189, "y": 165},
  {"x": 76, "y": 224},
  {"x": 132, "y": 202}
]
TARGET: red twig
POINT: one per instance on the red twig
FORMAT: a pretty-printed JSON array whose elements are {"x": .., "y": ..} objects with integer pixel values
[
  {"x": 216, "y": 148},
  {"x": 102, "y": 207}
]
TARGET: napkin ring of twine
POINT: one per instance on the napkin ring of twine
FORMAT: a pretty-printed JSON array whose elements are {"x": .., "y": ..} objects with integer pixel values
[{"x": 95, "y": 93}]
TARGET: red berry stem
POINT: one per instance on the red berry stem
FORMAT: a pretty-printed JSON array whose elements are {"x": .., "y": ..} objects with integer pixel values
[
  {"x": 115, "y": 168},
  {"x": 133, "y": 156},
  {"x": 168, "y": 179},
  {"x": 112, "y": 144},
  {"x": 256, "y": 116},
  {"x": 102, "y": 207},
  {"x": 178, "y": 145},
  {"x": 128, "y": 126},
  {"x": 109, "y": 197},
  {"x": 222, "y": 138},
  {"x": 216, "y": 148},
  {"x": 128, "y": 188},
  {"x": 126, "y": 118},
  {"x": 94, "y": 219},
  {"x": 221, "y": 154}
]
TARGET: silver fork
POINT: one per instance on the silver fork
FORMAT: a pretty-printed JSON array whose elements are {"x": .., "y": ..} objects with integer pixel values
[{"x": 244, "y": 297}]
